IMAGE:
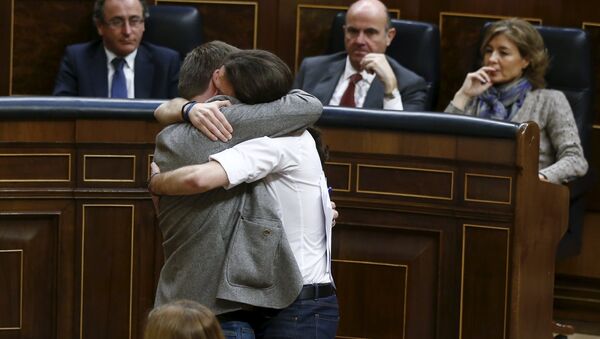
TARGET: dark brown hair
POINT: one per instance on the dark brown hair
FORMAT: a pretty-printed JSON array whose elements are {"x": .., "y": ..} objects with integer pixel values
[{"x": 257, "y": 76}]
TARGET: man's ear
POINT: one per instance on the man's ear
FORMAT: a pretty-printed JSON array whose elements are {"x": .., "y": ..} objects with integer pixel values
[
  {"x": 212, "y": 89},
  {"x": 99, "y": 27},
  {"x": 391, "y": 33},
  {"x": 215, "y": 81}
]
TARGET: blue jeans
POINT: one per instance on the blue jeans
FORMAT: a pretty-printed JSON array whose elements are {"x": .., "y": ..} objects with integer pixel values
[{"x": 303, "y": 319}]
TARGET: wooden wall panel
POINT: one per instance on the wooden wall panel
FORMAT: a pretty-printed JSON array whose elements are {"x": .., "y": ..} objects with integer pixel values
[
  {"x": 485, "y": 254},
  {"x": 11, "y": 287},
  {"x": 35, "y": 167},
  {"x": 29, "y": 254},
  {"x": 313, "y": 23},
  {"x": 113, "y": 167},
  {"x": 405, "y": 181},
  {"x": 106, "y": 286},
  {"x": 42, "y": 30},
  {"x": 593, "y": 30},
  {"x": 6, "y": 54},
  {"x": 234, "y": 22},
  {"x": 406, "y": 280},
  {"x": 28, "y": 63}
]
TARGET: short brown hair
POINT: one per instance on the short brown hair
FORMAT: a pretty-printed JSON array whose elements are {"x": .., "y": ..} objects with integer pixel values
[
  {"x": 258, "y": 76},
  {"x": 529, "y": 42},
  {"x": 182, "y": 319},
  {"x": 198, "y": 66}
]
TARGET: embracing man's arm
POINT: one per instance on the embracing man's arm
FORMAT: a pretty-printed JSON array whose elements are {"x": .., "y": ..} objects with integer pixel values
[
  {"x": 181, "y": 144},
  {"x": 208, "y": 118}
]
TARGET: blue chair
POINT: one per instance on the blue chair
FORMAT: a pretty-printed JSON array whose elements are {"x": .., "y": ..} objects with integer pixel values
[
  {"x": 176, "y": 27},
  {"x": 572, "y": 73}
]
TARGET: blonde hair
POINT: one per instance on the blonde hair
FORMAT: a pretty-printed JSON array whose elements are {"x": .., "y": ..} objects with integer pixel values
[
  {"x": 529, "y": 42},
  {"x": 182, "y": 319}
]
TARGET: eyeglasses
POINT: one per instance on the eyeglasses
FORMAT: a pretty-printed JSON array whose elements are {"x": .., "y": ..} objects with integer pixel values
[{"x": 119, "y": 22}]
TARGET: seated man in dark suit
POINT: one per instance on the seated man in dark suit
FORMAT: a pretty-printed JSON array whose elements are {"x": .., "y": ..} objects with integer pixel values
[
  {"x": 118, "y": 66},
  {"x": 363, "y": 76}
]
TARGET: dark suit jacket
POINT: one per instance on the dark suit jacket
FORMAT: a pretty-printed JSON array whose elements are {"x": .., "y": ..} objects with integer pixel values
[
  {"x": 320, "y": 74},
  {"x": 83, "y": 71}
]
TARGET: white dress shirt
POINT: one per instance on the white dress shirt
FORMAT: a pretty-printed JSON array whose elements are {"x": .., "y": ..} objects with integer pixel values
[
  {"x": 362, "y": 87},
  {"x": 128, "y": 69},
  {"x": 292, "y": 172}
]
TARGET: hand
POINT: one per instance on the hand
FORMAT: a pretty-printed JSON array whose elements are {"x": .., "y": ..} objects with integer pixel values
[
  {"x": 209, "y": 120},
  {"x": 154, "y": 170},
  {"x": 542, "y": 177},
  {"x": 377, "y": 63},
  {"x": 335, "y": 213},
  {"x": 475, "y": 83}
]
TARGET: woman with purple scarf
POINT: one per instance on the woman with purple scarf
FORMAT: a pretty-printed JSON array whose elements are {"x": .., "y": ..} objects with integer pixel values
[{"x": 510, "y": 87}]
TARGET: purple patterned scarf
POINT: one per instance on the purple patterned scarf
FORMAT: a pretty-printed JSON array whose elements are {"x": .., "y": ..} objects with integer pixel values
[{"x": 503, "y": 101}]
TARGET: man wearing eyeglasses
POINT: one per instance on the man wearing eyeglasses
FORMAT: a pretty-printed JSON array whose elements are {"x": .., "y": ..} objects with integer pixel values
[
  {"x": 119, "y": 65},
  {"x": 363, "y": 76}
]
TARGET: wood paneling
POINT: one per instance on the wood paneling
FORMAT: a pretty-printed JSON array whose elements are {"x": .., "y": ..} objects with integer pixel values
[
  {"x": 235, "y": 22},
  {"x": 339, "y": 175},
  {"x": 35, "y": 167},
  {"x": 405, "y": 181},
  {"x": 6, "y": 51},
  {"x": 313, "y": 23},
  {"x": 75, "y": 274},
  {"x": 42, "y": 30},
  {"x": 593, "y": 30},
  {"x": 478, "y": 247},
  {"x": 484, "y": 288},
  {"x": 29, "y": 259},
  {"x": 487, "y": 188},
  {"x": 107, "y": 232},
  {"x": 109, "y": 168},
  {"x": 11, "y": 310},
  {"x": 386, "y": 291}
]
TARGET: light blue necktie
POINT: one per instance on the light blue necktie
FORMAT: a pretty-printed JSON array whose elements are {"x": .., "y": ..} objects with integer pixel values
[{"x": 119, "y": 87}]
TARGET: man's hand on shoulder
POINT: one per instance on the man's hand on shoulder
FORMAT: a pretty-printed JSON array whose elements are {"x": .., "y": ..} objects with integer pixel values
[
  {"x": 208, "y": 119},
  {"x": 377, "y": 63}
]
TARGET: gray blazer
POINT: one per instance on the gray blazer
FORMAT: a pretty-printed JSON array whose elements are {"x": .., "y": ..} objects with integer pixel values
[
  {"x": 227, "y": 248},
  {"x": 319, "y": 76}
]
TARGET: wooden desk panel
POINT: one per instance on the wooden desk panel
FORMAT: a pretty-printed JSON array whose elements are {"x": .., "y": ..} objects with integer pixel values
[{"x": 433, "y": 240}]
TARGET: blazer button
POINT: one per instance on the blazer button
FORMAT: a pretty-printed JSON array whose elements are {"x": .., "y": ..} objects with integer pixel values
[{"x": 266, "y": 233}]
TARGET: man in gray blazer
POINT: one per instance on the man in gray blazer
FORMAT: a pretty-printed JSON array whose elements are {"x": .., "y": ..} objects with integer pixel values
[
  {"x": 227, "y": 249},
  {"x": 363, "y": 76}
]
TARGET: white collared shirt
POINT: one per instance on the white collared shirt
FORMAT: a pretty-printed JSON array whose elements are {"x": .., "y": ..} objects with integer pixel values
[
  {"x": 292, "y": 171},
  {"x": 362, "y": 87},
  {"x": 128, "y": 69}
]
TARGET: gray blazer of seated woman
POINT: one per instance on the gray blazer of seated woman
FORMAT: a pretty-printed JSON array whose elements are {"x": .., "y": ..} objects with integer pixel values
[{"x": 510, "y": 87}]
